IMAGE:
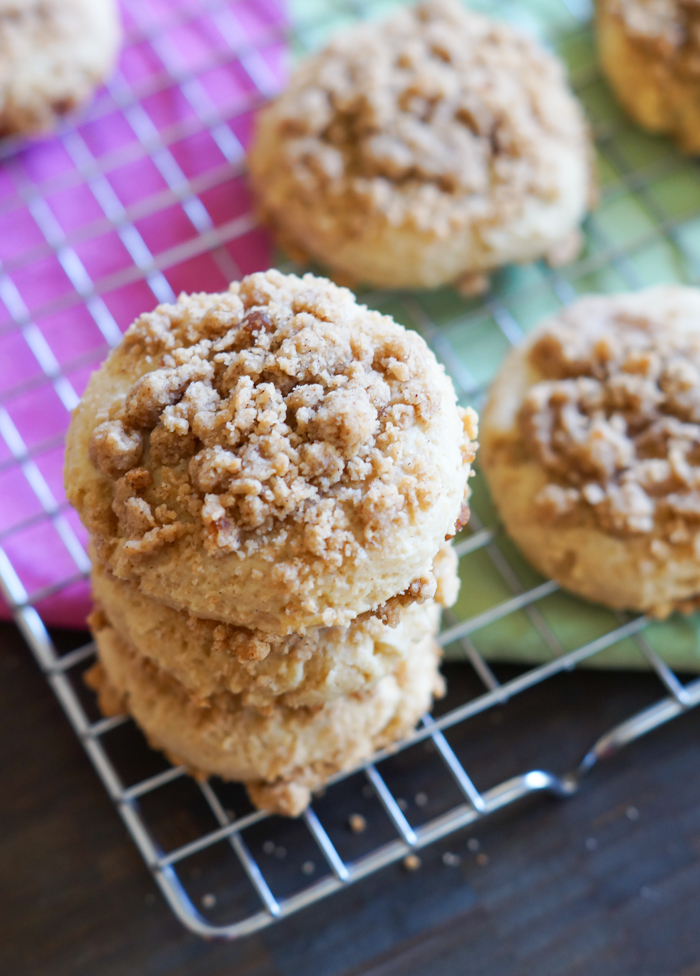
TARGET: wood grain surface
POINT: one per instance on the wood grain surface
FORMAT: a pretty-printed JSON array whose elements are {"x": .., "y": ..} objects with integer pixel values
[{"x": 604, "y": 884}]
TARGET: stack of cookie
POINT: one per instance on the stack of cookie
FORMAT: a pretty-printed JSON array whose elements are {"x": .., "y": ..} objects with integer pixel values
[{"x": 268, "y": 477}]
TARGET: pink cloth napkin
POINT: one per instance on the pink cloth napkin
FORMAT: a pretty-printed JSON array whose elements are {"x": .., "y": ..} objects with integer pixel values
[{"x": 140, "y": 197}]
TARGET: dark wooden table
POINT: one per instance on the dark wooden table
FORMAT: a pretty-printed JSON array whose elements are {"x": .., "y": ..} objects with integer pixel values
[{"x": 604, "y": 884}]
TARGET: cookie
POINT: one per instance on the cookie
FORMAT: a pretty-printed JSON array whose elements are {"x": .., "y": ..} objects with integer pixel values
[
  {"x": 591, "y": 447},
  {"x": 650, "y": 53},
  {"x": 435, "y": 146},
  {"x": 53, "y": 54},
  {"x": 266, "y": 671},
  {"x": 282, "y": 755},
  {"x": 276, "y": 457}
]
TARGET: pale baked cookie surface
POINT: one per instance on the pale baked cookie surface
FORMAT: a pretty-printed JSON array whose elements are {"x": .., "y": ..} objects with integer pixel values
[
  {"x": 267, "y": 671},
  {"x": 591, "y": 447},
  {"x": 650, "y": 52},
  {"x": 411, "y": 153},
  {"x": 277, "y": 457},
  {"x": 280, "y": 756},
  {"x": 53, "y": 53}
]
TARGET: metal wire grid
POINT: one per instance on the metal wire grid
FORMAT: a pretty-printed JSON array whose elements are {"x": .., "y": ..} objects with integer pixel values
[{"x": 212, "y": 238}]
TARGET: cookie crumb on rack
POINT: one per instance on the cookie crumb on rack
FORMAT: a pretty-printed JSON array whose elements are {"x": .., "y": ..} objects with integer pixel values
[
  {"x": 357, "y": 823},
  {"x": 412, "y": 862}
]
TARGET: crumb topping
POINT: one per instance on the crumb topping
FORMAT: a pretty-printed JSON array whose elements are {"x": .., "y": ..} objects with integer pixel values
[
  {"x": 437, "y": 117},
  {"x": 281, "y": 411},
  {"x": 670, "y": 27},
  {"x": 616, "y": 422}
]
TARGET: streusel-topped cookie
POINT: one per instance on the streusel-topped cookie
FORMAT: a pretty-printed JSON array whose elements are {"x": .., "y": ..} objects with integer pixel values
[
  {"x": 437, "y": 145},
  {"x": 53, "y": 53},
  {"x": 650, "y": 52},
  {"x": 591, "y": 446},
  {"x": 277, "y": 457}
]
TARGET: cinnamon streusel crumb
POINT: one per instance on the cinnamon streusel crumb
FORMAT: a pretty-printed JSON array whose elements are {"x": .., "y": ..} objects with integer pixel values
[
  {"x": 264, "y": 408},
  {"x": 617, "y": 421}
]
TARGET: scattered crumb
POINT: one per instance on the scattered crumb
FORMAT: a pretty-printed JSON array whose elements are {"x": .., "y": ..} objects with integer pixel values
[
  {"x": 412, "y": 862},
  {"x": 472, "y": 284},
  {"x": 357, "y": 823},
  {"x": 451, "y": 860},
  {"x": 482, "y": 859}
]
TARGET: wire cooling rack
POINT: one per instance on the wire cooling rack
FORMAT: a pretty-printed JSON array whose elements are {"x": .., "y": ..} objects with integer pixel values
[{"x": 145, "y": 196}]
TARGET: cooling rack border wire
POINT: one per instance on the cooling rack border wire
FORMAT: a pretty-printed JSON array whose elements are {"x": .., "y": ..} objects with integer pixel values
[{"x": 151, "y": 267}]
